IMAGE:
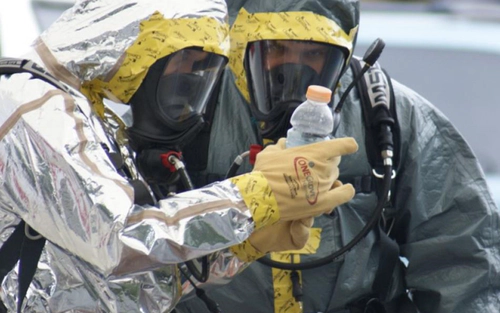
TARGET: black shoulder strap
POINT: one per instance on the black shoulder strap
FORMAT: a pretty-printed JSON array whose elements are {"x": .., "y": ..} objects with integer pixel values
[
  {"x": 25, "y": 245},
  {"x": 13, "y": 66},
  {"x": 374, "y": 85},
  {"x": 374, "y": 88}
]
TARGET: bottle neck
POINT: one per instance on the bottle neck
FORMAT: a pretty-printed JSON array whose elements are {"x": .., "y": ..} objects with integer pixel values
[{"x": 316, "y": 102}]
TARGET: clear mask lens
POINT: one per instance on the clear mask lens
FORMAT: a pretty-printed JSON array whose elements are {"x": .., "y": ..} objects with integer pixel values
[
  {"x": 279, "y": 72},
  {"x": 187, "y": 82}
]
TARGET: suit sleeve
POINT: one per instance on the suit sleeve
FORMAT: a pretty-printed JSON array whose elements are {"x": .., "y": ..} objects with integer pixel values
[{"x": 453, "y": 235}]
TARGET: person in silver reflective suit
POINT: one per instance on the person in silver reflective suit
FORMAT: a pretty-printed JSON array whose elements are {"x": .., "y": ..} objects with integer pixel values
[
  {"x": 450, "y": 233},
  {"x": 105, "y": 250}
]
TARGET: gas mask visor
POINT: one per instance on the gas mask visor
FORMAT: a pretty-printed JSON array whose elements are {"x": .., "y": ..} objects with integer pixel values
[
  {"x": 175, "y": 98},
  {"x": 279, "y": 72},
  {"x": 185, "y": 86}
]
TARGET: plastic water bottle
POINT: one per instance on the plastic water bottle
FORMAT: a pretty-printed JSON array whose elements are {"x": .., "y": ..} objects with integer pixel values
[{"x": 312, "y": 121}]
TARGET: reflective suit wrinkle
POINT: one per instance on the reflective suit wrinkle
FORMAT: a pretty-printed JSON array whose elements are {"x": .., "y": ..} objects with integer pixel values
[
  {"x": 84, "y": 207},
  {"x": 104, "y": 253}
]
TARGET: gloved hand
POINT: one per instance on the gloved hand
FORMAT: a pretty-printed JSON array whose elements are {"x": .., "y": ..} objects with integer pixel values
[
  {"x": 295, "y": 183},
  {"x": 282, "y": 236}
]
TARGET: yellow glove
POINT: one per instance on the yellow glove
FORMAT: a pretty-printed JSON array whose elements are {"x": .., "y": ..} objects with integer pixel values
[
  {"x": 295, "y": 183},
  {"x": 282, "y": 236}
]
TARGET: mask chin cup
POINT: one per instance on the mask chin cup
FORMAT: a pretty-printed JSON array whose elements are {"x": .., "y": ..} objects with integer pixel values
[
  {"x": 149, "y": 149},
  {"x": 150, "y": 165},
  {"x": 146, "y": 137}
]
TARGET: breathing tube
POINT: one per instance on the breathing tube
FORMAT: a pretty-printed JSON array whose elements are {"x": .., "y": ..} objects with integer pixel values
[
  {"x": 384, "y": 123},
  {"x": 171, "y": 160},
  {"x": 167, "y": 168}
]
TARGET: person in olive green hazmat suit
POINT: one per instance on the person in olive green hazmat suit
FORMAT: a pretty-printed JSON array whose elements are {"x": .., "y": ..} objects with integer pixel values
[{"x": 451, "y": 236}]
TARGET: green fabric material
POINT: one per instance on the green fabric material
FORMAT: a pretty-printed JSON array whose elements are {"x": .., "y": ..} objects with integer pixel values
[
  {"x": 453, "y": 236},
  {"x": 344, "y": 12}
]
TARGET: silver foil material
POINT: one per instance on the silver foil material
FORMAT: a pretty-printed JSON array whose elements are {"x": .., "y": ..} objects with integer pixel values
[
  {"x": 89, "y": 39},
  {"x": 103, "y": 253}
]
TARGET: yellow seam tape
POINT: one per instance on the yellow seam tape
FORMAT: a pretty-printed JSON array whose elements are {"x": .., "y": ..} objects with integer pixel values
[
  {"x": 158, "y": 37},
  {"x": 250, "y": 27},
  {"x": 266, "y": 141},
  {"x": 312, "y": 244},
  {"x": 282, "y": 284},
  {"x": 258, "y": 197},
  {"x": 246, "y": 252}
]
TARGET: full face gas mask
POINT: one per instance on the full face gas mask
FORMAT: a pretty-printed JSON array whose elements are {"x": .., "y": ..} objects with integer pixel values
[
  {"x": 170, "y": 106},
  {"x": 278, "y": 74}
]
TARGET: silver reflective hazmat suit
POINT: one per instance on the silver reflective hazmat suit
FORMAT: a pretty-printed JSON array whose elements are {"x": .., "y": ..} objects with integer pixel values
[
  {"x": 103, "y": 252},
  {"x": 451, "y": 241}
]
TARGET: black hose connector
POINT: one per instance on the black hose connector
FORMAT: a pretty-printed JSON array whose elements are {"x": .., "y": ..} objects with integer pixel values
[
  {"x": 297, "y": 292},
  {"x": 232, "y": 170},
  {"x": 383, "y": 122},
  {"x": 385, "y": 139},
  {"x": 239, "y": 160},
  {"x": 175, "y": 162}
]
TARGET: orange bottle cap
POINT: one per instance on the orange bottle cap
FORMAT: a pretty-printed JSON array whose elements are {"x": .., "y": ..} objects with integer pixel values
[{"x": 319, "y": 93}]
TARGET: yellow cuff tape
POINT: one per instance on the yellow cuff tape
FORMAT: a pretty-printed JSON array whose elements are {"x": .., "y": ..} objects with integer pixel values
[
  {"x": 246, "y": 252},
  {"x": 258, "y": 197}
]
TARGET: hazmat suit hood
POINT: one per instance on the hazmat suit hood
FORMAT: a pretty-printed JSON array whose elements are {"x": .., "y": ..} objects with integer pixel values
[
  {"x": 275, "y": 92},
  {"x": 105, "y": 48}
]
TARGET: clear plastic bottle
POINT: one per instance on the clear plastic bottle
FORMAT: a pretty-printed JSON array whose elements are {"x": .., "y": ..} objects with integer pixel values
[{"x": 312, "y": 121}]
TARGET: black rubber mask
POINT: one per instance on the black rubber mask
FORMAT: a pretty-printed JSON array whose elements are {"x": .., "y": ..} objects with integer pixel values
[
  {"x": 169, "y": 107},
  {"x": 278, "y": 74}
]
